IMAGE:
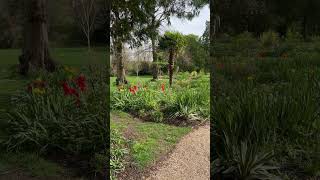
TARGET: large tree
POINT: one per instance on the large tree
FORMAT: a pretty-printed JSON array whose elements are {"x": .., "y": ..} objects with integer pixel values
[
  {"x": 159, "y": 12},
  {"x": 126, "y": 18},
  {"x": 35, "y": 52}
]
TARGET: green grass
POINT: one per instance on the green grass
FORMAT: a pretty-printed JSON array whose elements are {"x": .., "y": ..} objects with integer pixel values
[
  {"x": 66, "y": 56},
  {"x": 147, "y": 141},
  {"x": 131, "y": 80},
  {"x": 33, "y": 164},
  {"x": 30, "y": 163}
]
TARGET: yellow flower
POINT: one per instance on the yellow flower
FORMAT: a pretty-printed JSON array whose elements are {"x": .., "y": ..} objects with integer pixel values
[
  {"x": 70, "y": 69},
  {"x": 66, "y": 68},
  {"x": 38, "y": 91},
  {"x": 120, "y": 88}
]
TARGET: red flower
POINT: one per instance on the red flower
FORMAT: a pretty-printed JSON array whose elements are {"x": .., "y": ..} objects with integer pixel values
[
  {"x": 133, "y": 89},
  {"x": 69, "y": 90},
  {"x": 162, "y": 87},
  {"x": 81, "y": 82}
]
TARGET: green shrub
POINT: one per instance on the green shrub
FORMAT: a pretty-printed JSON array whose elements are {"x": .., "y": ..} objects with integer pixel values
[{"x": 156, "y": 116}]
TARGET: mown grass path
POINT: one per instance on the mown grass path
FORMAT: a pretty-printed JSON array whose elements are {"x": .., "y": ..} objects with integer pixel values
[{"x": 190, "y": 160}]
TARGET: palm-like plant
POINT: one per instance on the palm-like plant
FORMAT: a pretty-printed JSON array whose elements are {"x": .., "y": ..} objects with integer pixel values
[
  {"x": 243, "y": 162},
  {"x": 172, "y": 42}
]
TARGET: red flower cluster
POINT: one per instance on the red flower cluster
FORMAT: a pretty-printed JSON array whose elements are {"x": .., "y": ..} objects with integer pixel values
[
  {"x": 133, "y": 90},
  {"x": 163, "y": 88},
  {"x": 81, "y": 82},
  {"x": 69, "y": 91}
]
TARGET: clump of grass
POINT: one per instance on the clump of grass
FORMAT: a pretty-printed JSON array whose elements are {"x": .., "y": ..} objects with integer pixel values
[{"x": 118, "y": 151}]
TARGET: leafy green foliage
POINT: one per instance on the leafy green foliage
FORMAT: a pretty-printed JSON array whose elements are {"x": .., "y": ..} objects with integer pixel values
[
  {"x": 172, "y": 41},
  {"x": 263, "y": 105},
  {"x": 244, "y": 162},
  {"x": 48, "y": 120},
  {"x": 186, "y": 100}
]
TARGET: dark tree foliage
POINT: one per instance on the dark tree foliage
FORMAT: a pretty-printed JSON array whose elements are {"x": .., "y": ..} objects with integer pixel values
[
  {"x": 11, "y": 19},
  {"x": 63, "y": 30},
  {"x": 159, "y": 12},
  {"x": 257, "y": 16},
  {"x": 125, "y": 20}
]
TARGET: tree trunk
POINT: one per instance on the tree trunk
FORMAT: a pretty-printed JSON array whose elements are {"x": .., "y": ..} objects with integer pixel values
[
  {"x": 89, "y": 42},
  {"x": 35, "y": 53},
  {"x": 154, "y": 59},
  {"x": 171, "y": 65},
  {"x": 121, "y": 76},
  {"x": 304, "y": 24}
]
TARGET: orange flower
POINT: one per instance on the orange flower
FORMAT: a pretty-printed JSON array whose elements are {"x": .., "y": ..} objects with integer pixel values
[{"x": 163, "y": 87}]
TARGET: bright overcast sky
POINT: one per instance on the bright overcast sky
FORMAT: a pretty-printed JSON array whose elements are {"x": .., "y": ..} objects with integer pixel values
[{"x": 196, "y": 26}]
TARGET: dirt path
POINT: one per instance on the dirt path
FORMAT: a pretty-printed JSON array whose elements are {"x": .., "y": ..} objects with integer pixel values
[{"x": 190, "y": 160}]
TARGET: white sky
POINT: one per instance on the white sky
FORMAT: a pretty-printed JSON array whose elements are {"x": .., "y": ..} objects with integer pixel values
[{"x": 196, "y": 26}]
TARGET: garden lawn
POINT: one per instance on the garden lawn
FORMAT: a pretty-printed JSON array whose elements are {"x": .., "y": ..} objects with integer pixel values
[
  {"x": 33, "y": 164},
  {"x": 146, "y": 141}
]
